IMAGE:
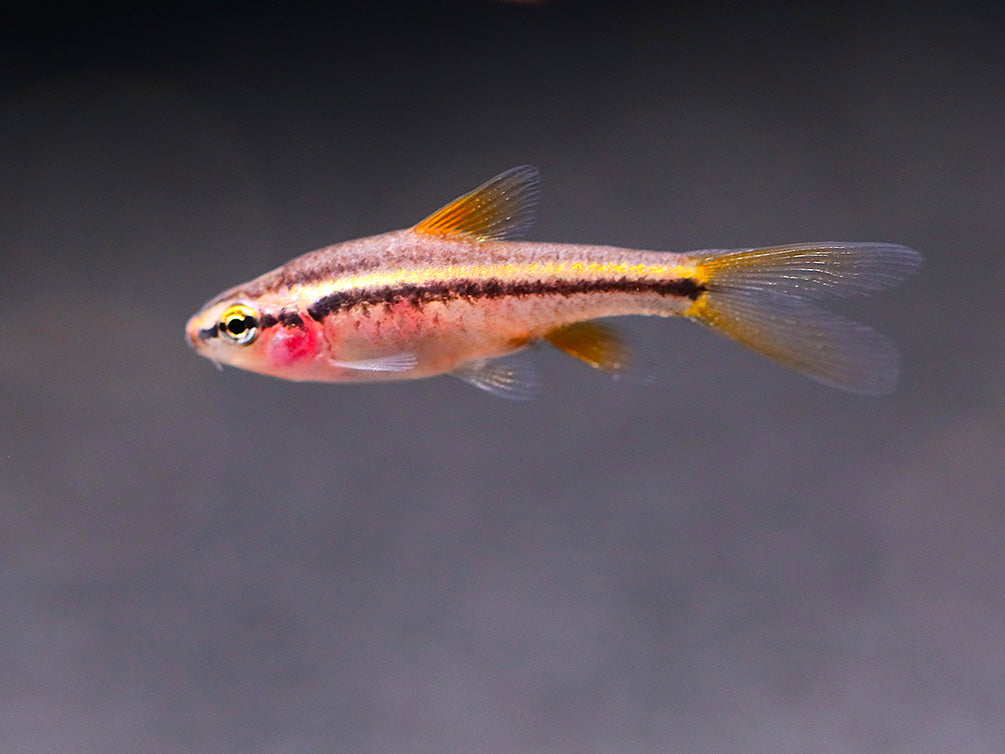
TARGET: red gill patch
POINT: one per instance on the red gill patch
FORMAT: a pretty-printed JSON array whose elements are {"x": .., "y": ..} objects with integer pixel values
[{"x": 291, "y": 344}]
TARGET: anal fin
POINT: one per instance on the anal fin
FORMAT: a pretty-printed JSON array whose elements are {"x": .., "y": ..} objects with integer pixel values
[{"x": 593, "y": 343}]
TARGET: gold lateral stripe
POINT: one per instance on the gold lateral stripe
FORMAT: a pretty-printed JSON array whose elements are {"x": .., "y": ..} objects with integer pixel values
[
  {"x": 499, "y": 209},
  {"x": 592, "y": 343},
  {"x": 504, "y": 273}
]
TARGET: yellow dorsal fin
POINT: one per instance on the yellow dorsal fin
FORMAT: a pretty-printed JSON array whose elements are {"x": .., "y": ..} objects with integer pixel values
[
  {"x": 596, "y": 344},
  {"x": 499, "y": 209}
]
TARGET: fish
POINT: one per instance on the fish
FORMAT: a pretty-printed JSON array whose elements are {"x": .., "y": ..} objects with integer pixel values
[{"x": 458, "y": 295}]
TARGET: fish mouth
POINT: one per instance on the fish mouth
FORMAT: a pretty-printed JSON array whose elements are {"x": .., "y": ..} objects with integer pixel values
[{"x": 195, "y": 336}]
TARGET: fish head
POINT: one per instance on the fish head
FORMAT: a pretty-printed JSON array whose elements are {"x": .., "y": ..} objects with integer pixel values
[{"x": 258, "y": 336}]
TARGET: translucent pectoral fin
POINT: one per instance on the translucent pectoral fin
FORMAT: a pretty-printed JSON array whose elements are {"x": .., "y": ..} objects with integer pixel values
[
  {"x": 512, "y": 378},
  {"x": 398, "y": 362}
]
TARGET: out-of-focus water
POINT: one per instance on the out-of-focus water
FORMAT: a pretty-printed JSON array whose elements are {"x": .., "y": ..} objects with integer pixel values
[{"x": 727, "y": 558}]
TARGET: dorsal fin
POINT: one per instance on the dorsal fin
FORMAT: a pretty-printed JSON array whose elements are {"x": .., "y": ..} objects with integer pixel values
[
  {"x": 500, "y": 209},
  {"x": 598, "y": 345}
]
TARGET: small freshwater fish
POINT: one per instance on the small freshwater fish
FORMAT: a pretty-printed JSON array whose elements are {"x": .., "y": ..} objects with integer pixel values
[{"x": 455, "y": 293}]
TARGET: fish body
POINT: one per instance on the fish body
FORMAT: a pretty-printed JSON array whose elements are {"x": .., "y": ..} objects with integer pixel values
[{"x": 455, "y": 293}]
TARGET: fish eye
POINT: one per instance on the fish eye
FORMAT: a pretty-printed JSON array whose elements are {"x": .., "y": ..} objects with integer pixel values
[{"x": 239, "y": 325}]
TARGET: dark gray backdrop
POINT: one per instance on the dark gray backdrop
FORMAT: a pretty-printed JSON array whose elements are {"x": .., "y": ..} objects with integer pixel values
[{"x": 728, "y": 558}]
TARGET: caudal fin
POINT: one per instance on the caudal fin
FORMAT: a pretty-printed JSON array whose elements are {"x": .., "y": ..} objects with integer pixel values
[{"x": 763, "y": 299}]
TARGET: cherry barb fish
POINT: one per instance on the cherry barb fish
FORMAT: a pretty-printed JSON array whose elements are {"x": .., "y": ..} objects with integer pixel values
[{"x": 455, "y": 293}]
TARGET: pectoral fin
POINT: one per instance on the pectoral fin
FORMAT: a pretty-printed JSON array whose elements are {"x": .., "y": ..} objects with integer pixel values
[{"x": 398, "y": 362}]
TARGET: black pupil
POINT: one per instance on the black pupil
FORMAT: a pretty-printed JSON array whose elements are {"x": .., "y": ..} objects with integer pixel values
[{"x": 237, "y": 326}]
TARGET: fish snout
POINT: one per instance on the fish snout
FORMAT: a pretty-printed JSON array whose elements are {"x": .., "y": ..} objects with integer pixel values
[{"x": 195, "y": 334}]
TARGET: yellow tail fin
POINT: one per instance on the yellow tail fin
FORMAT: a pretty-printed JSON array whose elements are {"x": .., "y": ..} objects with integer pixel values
[{"x": 763, "y": 299}]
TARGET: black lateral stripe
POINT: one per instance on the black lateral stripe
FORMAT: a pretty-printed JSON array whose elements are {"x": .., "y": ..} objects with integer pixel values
[
  {"x": 326, "y": 305},
  {"x": 494, "y": 288},
  {"x": 290, "y": 319},
  {"x": 285, "y": 318}
]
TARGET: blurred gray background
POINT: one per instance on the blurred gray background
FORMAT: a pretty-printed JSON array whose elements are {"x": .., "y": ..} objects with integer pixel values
[{"x": 727, "y": 558}]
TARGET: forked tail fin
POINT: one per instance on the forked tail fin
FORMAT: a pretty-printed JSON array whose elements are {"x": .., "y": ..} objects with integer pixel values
[{"x": 763, "y": 299}]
